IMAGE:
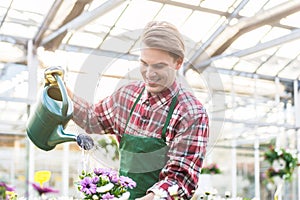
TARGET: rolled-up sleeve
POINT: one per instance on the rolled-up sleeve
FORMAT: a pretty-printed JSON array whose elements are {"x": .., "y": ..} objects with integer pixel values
[{"x": 85, "y": 115}]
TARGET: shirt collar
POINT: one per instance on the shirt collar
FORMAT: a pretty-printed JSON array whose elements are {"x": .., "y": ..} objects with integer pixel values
[{"x": 160, "y": 98}]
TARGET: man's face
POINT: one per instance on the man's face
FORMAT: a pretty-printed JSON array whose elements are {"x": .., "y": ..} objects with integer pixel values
[{"x": 158, "y": 69}]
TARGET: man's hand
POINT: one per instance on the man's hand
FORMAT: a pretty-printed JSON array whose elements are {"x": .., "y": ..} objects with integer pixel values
[
  {"x": 149, "y": 196},
  {"x": 49, "y": 74}
]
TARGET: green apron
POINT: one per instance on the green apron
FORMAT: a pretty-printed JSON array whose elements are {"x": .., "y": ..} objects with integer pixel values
[{"x": 142, "y": 158}]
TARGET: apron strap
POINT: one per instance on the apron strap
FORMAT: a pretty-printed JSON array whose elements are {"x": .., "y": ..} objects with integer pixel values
[
  {"x": 170, "y": 113},
  {"x": 133, "y": 107}
]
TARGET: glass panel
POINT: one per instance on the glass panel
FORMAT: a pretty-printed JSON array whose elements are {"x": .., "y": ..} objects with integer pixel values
[
  {"x": 272, "y": 66},
  {"x": 221, "y": 5},
  {"x": 255, "y": 35},
  {"x": 252, "y": 7},
  {"x": 196, "y": 27},
  {"x": 173, "y": 14},
  {"x": 138, "y": 13},
  {"x": 292, "y": 71},
  {"x": 291, "y": 20},
  {"x": 18, "y": 30},
  {"x": 34, "y": 6},
  {"x": 85, "y": 39}
]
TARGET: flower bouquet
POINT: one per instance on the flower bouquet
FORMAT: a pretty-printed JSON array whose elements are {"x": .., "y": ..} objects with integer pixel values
[
  {"x": 104, "y": 184},
  {"x": 282, "y": 164}
]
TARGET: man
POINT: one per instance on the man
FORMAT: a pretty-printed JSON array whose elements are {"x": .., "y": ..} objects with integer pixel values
[{"x": 162, "y": 127}]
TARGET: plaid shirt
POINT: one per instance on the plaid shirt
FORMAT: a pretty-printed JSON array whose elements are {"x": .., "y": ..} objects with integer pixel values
[{"x": 186, "y": 136}]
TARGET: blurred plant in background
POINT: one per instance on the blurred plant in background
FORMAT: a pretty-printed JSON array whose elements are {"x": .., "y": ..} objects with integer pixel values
[
  {"x": 211, "y": 169},
  {"x": 110, "y": 144},
  {"x": 7, "y": 192},
  {"x": 282, "y": 164}
]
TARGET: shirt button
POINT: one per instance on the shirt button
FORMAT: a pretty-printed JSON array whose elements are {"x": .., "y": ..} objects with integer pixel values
[{"x": 147, "y": 103}]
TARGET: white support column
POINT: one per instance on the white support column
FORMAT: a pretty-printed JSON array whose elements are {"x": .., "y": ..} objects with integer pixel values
[
  {"x": 233, "y": 169},
  {"x": 298, "y": 168},
  {"x": 32, "y": 65},
  {"x": 256, "y": 169},
  {"x": 65, "y": 169},
  {"x": 233, "y": 147},
  {"x": 277, "y": 89},
  {"x": 297, "y": 125},
  {"x": 256, "y": 146}
]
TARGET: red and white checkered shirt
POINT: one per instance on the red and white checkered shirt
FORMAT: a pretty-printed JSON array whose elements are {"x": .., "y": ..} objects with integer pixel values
[{"x": 186, "y": 136}]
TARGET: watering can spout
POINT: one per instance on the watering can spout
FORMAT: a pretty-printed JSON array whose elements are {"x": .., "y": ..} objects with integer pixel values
[
  {"x": 45, "y": 127},
  {"x": 59, "y": 136}
]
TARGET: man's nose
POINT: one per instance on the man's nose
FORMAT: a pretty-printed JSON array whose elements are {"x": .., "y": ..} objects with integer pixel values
[{"x": 150, "y": 72}]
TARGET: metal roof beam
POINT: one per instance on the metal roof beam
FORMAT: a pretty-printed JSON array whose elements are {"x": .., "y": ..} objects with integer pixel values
[
  {"x": 201, "y": 53},
  {"x": 248, "y": 24},
  {"x": 192, "y": 7},
  {"x": 100, "y": 52},
  {"x": 295, "y": 34},
  {"x": 46, "y": 23},
  {"x": 13, "y": 39},
  {"x": 82, "y": 20},
  {"x": 231, "y": 33}
]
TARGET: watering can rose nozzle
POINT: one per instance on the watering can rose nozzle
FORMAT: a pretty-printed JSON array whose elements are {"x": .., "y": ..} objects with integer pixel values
[
  {"x": 49, "y": 74},
  {"x": 85, "y": 141}
]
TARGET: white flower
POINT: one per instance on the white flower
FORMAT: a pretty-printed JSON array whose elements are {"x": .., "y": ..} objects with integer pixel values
[
  {"x": 104, "y": 177},
  {"x": 227, "y": 194},
  {"x": 279, "y": 151},
  {"x": 173, "y": 190},
  {"x": 279, "y": 164},
  {"x": 214, "y": 191},
  {"x": 105, "y": 188},
  {"x": 95, "y": 197},
  {"x": 124, "y": 196}
]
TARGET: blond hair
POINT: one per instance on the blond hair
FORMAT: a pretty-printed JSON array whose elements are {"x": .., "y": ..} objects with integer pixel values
[{"x": 164, "y": 36}]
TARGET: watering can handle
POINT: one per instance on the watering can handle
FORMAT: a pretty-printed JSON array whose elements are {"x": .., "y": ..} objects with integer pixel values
[
  {"x": 64, "y": 94},
  {"x": 49, "y": 72}
]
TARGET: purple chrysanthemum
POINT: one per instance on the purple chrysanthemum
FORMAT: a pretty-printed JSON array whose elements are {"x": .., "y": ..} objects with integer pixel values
[
  {"x": 113, "y": 177},
  {"x": 111, "y": 174},
  {"x": 102, "y": 171},
  {"x": 107, "y": 196},
  {"x": 127, "y": 182},
  {"x": 95, "y": 180},
  {"x": 89, "y": 185}
]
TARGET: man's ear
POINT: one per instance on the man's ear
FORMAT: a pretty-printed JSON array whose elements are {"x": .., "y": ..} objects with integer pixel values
[{"x": 179, "y": 62}]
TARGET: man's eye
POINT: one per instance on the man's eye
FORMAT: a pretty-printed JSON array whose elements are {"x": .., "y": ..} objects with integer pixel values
[{"x": 159, "y": 66}]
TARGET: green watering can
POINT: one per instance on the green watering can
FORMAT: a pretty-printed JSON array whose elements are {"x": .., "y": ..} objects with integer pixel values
[{"x": 45, "y": 127}]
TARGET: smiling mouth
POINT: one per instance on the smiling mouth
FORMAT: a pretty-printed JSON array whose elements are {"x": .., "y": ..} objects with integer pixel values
[{"x": 152, "y": 82}]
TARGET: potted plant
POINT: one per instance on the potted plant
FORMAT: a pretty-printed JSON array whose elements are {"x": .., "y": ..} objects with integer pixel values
[{"x": 102, "y": 183}]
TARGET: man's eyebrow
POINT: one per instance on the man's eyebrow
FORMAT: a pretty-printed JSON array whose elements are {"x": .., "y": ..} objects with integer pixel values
[
  {"x": 142, "y": 60},
  {"x": 160, "y": 64},
  {"x": 155, "y": 64}
]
